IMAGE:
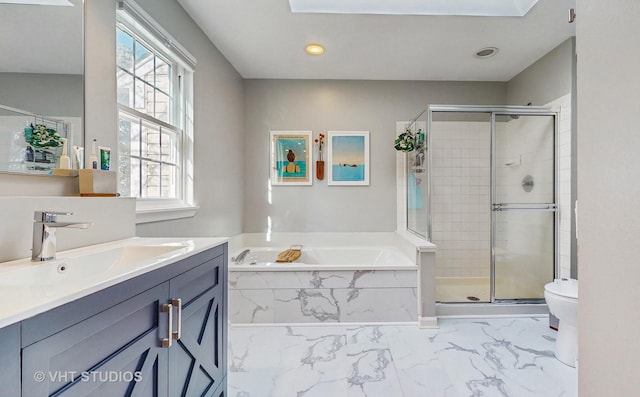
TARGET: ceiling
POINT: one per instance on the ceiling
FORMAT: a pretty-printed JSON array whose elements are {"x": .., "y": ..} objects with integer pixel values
[{"x": 264, "y": 39}]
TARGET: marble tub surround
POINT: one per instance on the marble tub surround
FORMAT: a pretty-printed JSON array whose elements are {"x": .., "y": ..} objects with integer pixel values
[
  {"x": 322, "y": 296},
  {"x": 506, "y": 357},
  {"x": 262, "y": 303},
  {"x": 347, "y": 279}
]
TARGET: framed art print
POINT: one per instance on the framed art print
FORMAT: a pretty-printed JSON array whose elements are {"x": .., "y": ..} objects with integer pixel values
[
  {"x": 291, "y": 158},
  {"x": 348, "y": 158}
]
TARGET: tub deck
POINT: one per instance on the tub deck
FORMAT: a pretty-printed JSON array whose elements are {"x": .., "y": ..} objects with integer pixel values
[{"x": 326, "y": 258}]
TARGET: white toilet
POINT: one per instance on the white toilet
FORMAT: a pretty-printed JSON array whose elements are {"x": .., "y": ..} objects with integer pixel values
[{"x": 562, "y": 299}]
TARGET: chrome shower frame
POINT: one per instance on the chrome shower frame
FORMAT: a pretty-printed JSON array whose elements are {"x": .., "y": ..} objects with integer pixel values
[{"x": 493, "y": 111}]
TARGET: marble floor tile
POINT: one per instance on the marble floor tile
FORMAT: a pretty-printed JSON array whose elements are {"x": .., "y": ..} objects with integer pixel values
[{"x": 505, "y": 357}]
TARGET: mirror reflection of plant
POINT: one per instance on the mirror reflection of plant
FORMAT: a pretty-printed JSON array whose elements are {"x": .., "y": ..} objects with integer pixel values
[
  {"x": 420, "y": 138},
  {"x": 410, "y": 142},
  {"x": 405, "y": 142},
  {"x": 44, "y": 137}
]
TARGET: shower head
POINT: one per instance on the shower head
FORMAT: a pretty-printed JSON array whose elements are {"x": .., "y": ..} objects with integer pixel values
[{"x": 516, "y": 116}]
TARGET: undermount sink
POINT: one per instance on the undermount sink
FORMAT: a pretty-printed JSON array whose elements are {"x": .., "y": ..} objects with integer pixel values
[
  {"x": 34, "y": 287},
  {"x": 63, "y": 271}
]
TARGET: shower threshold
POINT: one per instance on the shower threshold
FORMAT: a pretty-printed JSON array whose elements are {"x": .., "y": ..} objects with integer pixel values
[
  {"x": 478, "y": 290},
  {"x": 463, "y": 289},
  {"x": 497, "y": 309},
  {"x": 471, "y": 297}
]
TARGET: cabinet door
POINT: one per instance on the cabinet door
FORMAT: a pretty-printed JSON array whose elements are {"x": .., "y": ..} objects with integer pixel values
[
  {"x": 221, "y": 391},
  {"x": 113, "y": 353},
  {"x": 10, "y": 361},
  {"x": 198, "y": 359}
]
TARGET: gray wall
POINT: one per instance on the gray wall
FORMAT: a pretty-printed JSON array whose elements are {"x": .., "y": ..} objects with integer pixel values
[
  {"x": 608, "y": 194},
  {"x": 219, "y": 137},
  {"x": 547, "y": 79},
  {"x": 319, "y": 106},
  {"x": 218, "y": 121},
  {"x": 46, "y": 94},
  {"x": 101, "y": 114}
]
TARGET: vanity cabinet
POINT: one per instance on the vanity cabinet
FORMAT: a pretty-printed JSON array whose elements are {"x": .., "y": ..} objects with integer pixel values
[
  {"x": 10, "y": 361},
  {"x": 197, "y": 360},
  {"x": 166, "y": 338},
  {"x": 121, "y": 340}
]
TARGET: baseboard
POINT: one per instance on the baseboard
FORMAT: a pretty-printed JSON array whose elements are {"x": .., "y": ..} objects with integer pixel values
[
  {"x": 428, "y": 322},
  {"x": 328, "y": 324}
]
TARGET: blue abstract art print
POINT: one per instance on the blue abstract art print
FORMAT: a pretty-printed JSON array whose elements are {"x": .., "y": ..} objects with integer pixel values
[{"x": 348, "y": 155}]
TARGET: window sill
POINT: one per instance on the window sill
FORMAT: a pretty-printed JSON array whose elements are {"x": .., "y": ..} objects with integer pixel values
[{"x": 157, "y": 214}]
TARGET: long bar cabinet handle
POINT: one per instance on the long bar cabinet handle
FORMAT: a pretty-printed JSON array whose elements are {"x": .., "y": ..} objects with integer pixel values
[
  {"x": 168, "y": 308},
  {"x": 177, "y": 303}
]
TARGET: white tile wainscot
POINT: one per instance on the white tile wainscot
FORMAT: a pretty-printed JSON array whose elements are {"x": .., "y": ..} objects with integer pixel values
[{"x": 317, "y": 296}]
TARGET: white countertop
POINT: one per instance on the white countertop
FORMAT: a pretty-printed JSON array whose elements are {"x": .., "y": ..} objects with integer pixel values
[{"x": 22, "y": 300}]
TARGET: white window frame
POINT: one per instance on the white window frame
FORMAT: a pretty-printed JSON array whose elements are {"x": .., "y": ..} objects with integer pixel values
[{"x": 133, "y": 19}]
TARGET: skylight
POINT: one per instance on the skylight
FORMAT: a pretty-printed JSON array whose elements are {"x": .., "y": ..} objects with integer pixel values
[
  {"x": 39, "y": 2},
  {"x": 488, "y": 8}
]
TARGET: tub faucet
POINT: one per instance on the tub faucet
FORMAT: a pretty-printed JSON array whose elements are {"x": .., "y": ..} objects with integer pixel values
[
  {"x": 44, "y": 233},
  {"x": 240, "y": 258}
]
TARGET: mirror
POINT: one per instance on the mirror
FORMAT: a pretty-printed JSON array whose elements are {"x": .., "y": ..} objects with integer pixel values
[{"x": 41, "y": 82}]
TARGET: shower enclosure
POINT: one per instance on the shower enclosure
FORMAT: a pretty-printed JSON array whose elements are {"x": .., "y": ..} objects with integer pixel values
[{"x": 488, "y": 187}]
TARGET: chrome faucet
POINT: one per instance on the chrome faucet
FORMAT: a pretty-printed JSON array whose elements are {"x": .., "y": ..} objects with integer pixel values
[
  {"x": 44, "y": 233},
  {"x": 240, "y": 258}
]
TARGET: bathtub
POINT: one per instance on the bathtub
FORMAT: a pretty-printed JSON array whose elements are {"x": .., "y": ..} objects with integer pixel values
[
  {"x": 327, "y": 258},
  {"x": 325, "y": 285}
]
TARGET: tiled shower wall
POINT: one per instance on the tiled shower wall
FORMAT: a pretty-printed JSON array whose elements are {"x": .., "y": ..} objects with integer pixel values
[
  {"x": 564, "y": 184},
  {"x": 524, "y": 244},
  {"x": 534, "y": 163},
  {"x": 461, "y": 198},
  {"x": 11, "y": 155},
  {"x": 461, "y": 195},
  {"x": 415, "y": 184}
]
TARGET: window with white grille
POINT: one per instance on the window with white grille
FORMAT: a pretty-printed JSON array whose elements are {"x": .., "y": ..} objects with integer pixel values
[{"x": 155, "y": 102}]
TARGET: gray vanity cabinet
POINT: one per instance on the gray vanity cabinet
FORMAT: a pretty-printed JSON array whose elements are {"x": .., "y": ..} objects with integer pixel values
[
  {"x": 10, "y": 361},
  {"x": 119, "y": 351},
  {"x": 122, "y": 340},
  {"x": 197, "y": 361}
]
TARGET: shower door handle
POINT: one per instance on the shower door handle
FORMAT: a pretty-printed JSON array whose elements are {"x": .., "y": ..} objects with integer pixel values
[{"x": 524, "y": 207}]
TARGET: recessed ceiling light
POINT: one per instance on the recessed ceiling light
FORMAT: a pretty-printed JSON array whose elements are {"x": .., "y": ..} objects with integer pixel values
[
  {"x": 497, "y": 8},
  {"x": 486, "y": 52},
  {"x": 314, "y": 49}
]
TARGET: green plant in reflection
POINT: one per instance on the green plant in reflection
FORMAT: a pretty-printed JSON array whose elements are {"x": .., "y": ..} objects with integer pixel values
[{"x": 43, "y": 137}]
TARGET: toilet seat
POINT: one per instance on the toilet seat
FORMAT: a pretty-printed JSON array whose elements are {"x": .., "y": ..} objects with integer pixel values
[{"x": 563, "y": 288}]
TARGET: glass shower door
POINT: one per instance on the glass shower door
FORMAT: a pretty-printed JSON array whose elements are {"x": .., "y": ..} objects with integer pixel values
[{"x": 524, "y": 205}]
